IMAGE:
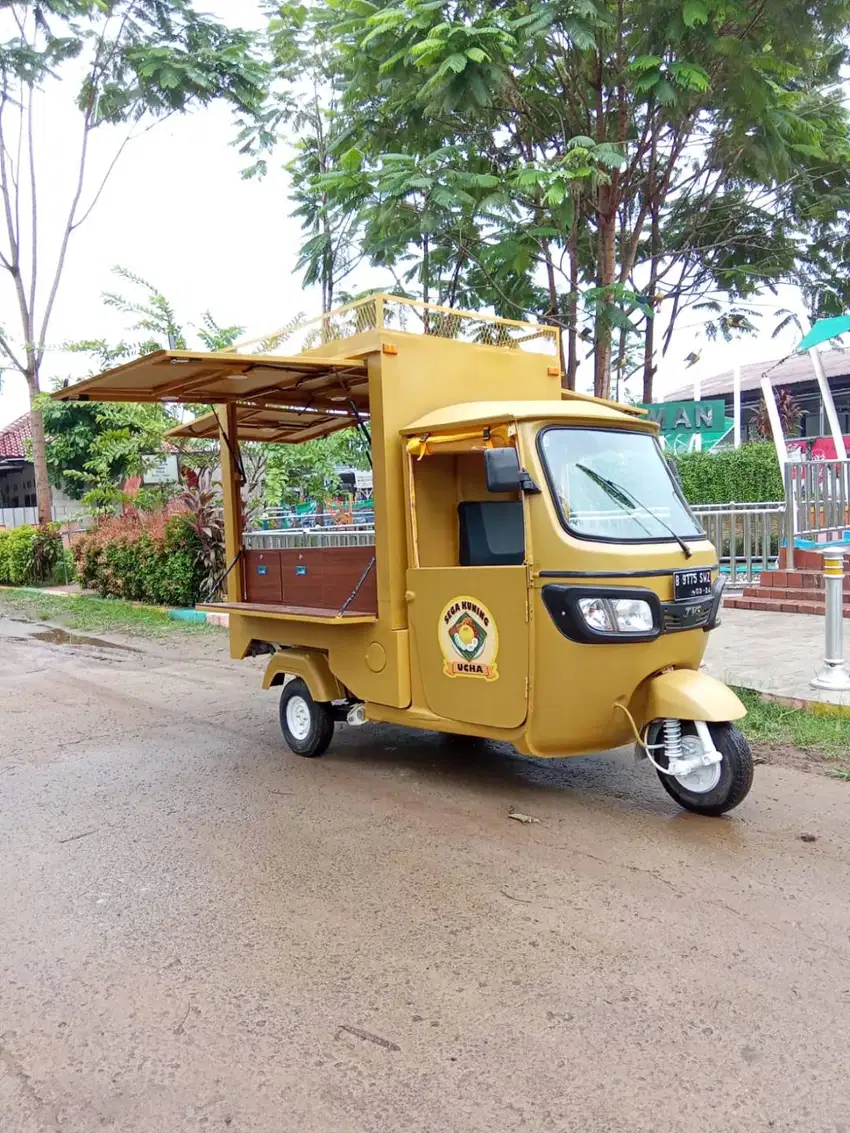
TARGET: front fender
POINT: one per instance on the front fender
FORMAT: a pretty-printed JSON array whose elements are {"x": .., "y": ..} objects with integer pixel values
[
  {"x": 308, "y": 664},
  {"x": 688, "y": 694}
]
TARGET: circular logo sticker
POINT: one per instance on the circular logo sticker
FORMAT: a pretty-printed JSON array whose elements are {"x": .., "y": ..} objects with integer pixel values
[{"x": 469, "y": 640}]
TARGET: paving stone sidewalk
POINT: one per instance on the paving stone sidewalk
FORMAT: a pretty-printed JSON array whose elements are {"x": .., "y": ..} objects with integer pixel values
[{"x": 773, "y": 653}]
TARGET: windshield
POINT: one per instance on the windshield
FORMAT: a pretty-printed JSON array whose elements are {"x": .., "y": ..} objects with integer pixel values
[{"x": 609, "y": 484}]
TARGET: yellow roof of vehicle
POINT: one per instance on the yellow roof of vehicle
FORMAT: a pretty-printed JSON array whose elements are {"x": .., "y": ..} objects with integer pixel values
[{"x": 498, "y": 412}]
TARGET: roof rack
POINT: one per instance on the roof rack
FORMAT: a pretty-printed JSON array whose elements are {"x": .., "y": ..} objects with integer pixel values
[{"x": 382, "y": 312}]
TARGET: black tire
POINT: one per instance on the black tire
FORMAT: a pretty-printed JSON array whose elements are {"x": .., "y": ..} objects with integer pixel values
[
  {"x": 314, "y": 739},
  {"x": 736, "y": 773}
]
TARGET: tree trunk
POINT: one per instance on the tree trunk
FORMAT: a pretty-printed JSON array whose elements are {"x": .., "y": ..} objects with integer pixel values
[
  {"x": 606, "y": 266},
  {"x": 621, "y": 362},
  {"x": 39, "y": 454},
  {"x": 572, "y": 316},
  {"x": 649, "y": 336},
  {"x": 554, "y": 311}
]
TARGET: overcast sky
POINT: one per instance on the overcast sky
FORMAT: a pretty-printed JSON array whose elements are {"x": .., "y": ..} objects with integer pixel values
[{"x": 177, "y": 212}]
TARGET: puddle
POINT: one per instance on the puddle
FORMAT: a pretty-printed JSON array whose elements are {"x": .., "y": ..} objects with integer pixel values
[{"x": 56, "y": 636}]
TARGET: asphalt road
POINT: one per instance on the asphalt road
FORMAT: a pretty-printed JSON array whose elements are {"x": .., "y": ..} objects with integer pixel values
[{"x": 200, "y": 931}]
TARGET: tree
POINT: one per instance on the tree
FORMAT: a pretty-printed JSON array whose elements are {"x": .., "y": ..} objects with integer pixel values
[
  {"x": 299, "y": 473},
  {"x": 641, "y": 160},
  {"x": 128, "y": 64},
  {"x": 94, "y": 447}
]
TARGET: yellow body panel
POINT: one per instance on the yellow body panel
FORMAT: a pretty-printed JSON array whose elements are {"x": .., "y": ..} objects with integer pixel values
[
  {"x": 350, "y": 650},
  {"x": 311, "y": 666},
  {"x": 688, "y": 695},
  {"x": 491, "y": 686}
]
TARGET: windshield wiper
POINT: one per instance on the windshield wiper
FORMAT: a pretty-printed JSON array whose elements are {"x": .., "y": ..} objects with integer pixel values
[{"x": 624, "y": 496}]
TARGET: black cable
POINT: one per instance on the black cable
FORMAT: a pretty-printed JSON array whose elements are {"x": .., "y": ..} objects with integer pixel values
[
  {"x": 356, "y": 589},
  {"x": 361, "y": 424},
  {"x": 214, "y": 589},
  {"x": 235, "y": 454}
]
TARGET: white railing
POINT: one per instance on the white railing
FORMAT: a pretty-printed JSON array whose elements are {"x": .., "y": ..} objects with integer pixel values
[
  {"x": 818, "y": 495},
  {"x": 28, "y": 516},
  {"x": 339, "y": 535},
  {"x": 747, "y": 537}
]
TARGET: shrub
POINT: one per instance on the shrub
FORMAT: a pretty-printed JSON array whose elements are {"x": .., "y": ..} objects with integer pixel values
[
  {"x": 749, "y": 474},
  {"x": 28, "y": 555},
  {"x": 143, "y": 558}
]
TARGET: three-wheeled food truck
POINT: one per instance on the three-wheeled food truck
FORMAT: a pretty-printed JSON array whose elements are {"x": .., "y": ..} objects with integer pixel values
[{"x": 533, "y": 573}]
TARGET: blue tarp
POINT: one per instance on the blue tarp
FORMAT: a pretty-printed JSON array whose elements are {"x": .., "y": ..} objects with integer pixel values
[{"x": 825, "y": 329}]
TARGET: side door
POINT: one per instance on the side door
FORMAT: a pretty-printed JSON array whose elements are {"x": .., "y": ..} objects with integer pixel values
[{"x": 469, "y": 623}]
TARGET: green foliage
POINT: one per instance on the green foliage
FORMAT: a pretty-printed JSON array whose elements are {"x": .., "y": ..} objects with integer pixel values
[
  {"x": 120, "y": 66},
  {"x": 98, "y": 615},
  {"x": 95, "y": 446},
  {"x": 153, "y": 559},
  {"x": 295, "y": 473},
  {"x": 771, "y": 723},
  {"x": 204, "y": 515},
  {"x": 98, "y": 445},
  {"x": 579, "y": 163},
  {"x": 28, "y": 555},
  {"x": 749, "y": 474}
]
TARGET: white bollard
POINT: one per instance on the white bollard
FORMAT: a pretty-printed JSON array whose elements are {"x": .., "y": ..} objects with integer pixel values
[{"x": 833, "y": 676}]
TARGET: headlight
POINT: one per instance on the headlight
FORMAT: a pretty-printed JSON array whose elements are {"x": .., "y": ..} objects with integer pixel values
[{"x": 617, "y": 615}]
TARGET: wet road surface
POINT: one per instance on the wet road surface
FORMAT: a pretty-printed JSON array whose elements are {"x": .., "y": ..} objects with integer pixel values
[{"x": 200, "y": 931}]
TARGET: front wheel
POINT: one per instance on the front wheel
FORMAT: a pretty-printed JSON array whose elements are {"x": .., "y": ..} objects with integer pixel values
[
  {"x": 716, "y": 789},
  {"x": 307, "y": 724}
]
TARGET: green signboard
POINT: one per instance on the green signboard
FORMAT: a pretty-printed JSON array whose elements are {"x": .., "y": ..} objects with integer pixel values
[{"x": 690, "y": 425}]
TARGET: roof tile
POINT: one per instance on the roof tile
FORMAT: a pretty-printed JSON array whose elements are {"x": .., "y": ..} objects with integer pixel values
[{"x": 14, "y": 437}]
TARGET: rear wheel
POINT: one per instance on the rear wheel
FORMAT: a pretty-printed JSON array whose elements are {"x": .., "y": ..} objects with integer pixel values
[
  {"x": 307, "y": 724},
  {"x": 715, "y": 789}
]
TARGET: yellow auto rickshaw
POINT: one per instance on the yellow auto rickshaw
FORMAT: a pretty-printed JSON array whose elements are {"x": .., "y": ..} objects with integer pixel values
[{"x": 532, "y": 574}]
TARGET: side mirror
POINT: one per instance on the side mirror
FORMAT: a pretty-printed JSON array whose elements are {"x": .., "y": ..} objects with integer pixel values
[{"x": 503, "y": 472}]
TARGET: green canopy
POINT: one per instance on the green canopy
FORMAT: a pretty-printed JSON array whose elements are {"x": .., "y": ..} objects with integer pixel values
[{"x": 825, "y": 329}]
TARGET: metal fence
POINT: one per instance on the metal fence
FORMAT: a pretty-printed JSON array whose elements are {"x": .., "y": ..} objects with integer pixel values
[
  {"x": 341, "y": 535},
  {"x": 277, "y": 518},
  {"x": 818, "y": 498},
  {"x": 747, "y": 536},
  {"x": 28, "y": 516}
]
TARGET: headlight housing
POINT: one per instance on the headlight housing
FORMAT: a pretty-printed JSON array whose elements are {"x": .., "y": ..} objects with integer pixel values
[
  {"x": 617, "y": 615},
  {"x": 594, "y": 615}
]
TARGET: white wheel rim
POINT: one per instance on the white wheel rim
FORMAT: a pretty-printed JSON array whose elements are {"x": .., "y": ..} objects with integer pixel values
[
  {"x": 702, "y": 779},
  {"x": 298, "y": 718}
]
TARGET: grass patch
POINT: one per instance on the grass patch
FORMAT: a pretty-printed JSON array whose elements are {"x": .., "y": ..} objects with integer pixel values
[
  {"x": 96, "y": 615},
  {"x": 771, "y": 723}
]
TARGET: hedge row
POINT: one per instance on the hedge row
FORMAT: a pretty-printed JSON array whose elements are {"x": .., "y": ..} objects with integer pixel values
[
  {"x": 29, "y": 555},
  {"x": 749, "y": 474},
  {"x": 152, "y": 559}
]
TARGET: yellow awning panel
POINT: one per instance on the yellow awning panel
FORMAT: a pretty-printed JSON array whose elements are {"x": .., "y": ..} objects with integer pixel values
[
  {"x": 269, "y": 424},
  {"x": 187, "y": 378}
]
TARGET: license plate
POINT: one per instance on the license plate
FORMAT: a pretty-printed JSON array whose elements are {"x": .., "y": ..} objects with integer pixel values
[{"x": 691, "y": 584}]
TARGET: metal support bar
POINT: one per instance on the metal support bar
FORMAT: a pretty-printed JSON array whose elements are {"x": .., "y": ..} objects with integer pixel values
[
  {"x": 790, "y": 504},
  {"x": 828, "y": 403},
  {"x": 834, "y": 676},
  {"x": 232, "y": 493}
]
